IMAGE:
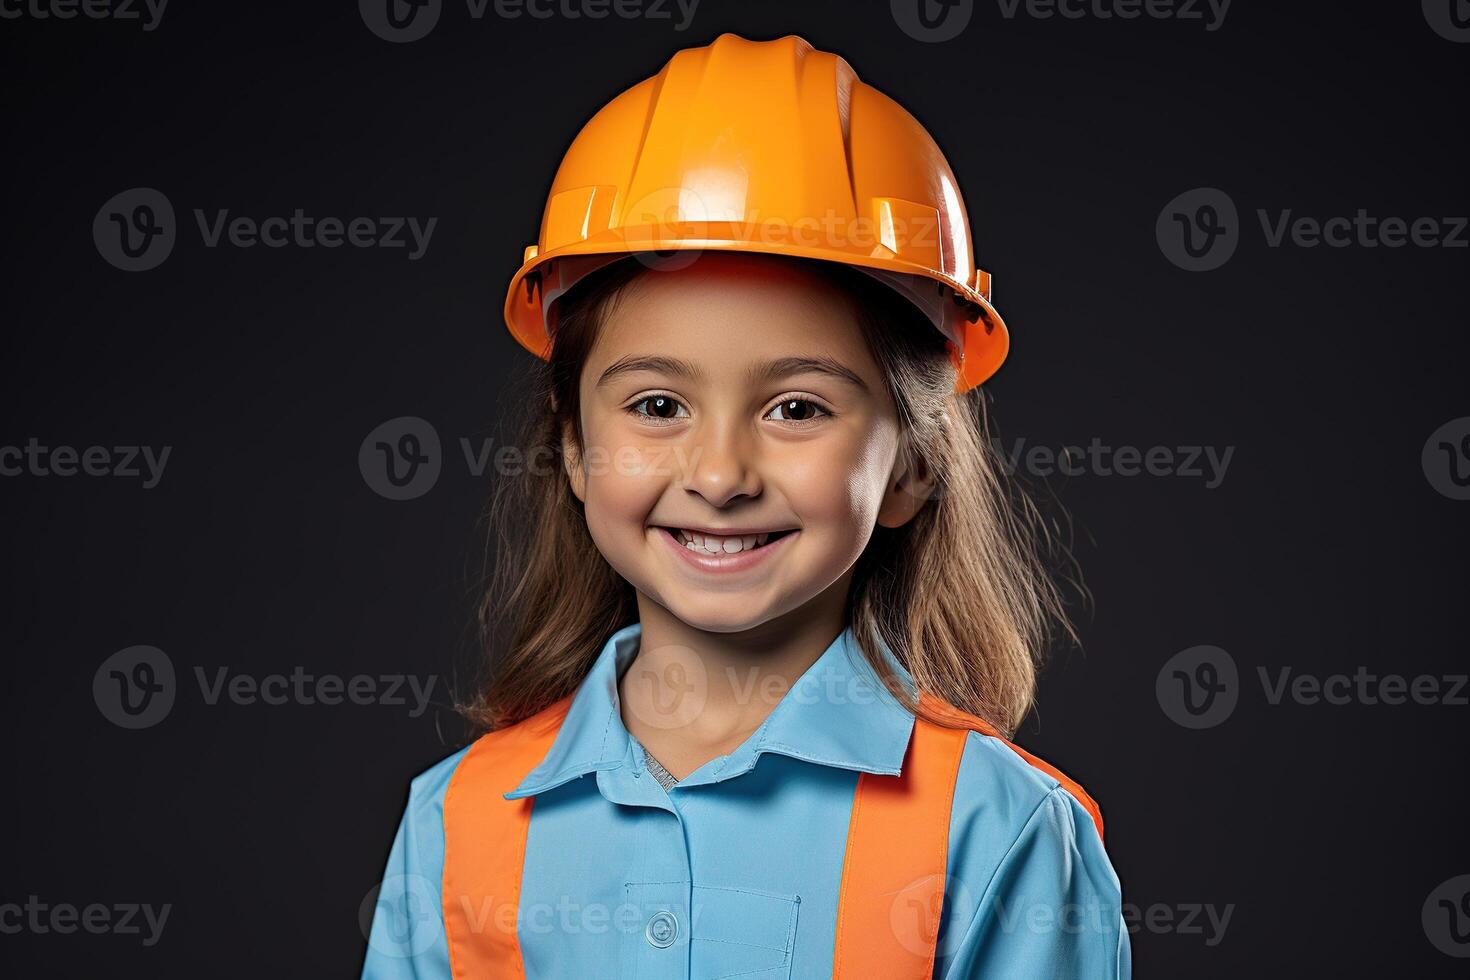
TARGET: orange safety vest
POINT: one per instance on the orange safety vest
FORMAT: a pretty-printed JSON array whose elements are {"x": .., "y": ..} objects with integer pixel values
[{"x": 897, "y": 841}]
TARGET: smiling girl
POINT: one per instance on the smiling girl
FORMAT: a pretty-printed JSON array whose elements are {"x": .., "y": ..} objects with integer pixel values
[{"x": 771, "y": 616}]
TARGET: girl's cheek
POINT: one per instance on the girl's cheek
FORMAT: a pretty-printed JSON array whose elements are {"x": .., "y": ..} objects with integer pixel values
[
  {"x": 631, "y": 463},
  {"x": 838, "y": 480},
  {"x": 625, "y": 481},
  {"x": 613, "y": 452}
]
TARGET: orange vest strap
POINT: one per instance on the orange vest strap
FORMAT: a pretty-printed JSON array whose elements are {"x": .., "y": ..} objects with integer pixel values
[
  {"x": 485, "y": 846},
  {"x": 979, "y": 724},
  {"x": 892, "y": 891},
  {"x": 893, "y": 875}
]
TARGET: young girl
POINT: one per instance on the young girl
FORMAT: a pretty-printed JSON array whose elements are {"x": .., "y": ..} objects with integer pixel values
[{"x": 770, "y": 617}]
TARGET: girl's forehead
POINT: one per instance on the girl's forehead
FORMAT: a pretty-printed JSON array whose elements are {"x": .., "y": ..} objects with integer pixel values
[{"x": 740, "y": 323}]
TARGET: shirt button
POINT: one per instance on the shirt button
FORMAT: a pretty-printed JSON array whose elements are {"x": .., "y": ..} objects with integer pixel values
[{"x": 662, "y": 929}]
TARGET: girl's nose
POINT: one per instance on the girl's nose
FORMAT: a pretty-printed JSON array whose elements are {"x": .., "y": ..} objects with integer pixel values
[{"x": 721, "y": 464}]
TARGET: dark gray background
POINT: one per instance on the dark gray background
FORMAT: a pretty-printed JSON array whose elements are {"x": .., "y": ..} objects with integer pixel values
[{"x": 1325, "y": 548}]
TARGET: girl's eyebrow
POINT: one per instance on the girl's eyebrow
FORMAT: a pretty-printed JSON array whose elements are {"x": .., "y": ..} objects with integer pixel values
[{"x": 767, "y": 371}]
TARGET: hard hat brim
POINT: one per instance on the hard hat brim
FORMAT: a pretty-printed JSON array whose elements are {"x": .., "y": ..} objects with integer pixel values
[{"x": 977, "y": 335}]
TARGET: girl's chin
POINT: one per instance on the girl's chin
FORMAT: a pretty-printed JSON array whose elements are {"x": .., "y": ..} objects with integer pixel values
[
  {"x": 732, "y": 611},
  {"x": 714, "y": 611}
]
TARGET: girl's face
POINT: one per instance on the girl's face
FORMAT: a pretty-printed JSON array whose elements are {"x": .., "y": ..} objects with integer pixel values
[{"x": 735, "y": 398}]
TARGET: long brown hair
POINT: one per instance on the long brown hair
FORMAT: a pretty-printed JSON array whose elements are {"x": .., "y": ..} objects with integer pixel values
[{"x": 961, "y": 593}]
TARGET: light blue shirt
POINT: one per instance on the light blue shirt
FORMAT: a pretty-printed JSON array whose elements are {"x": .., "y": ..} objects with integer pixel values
[{"x": 753, "y": 843}]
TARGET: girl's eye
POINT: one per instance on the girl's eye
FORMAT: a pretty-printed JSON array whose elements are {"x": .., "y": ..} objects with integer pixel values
[
  {"x": 665, "y": 408},
  {"x": 662, "y": 407},
  {"x": 799, "y": 410}
]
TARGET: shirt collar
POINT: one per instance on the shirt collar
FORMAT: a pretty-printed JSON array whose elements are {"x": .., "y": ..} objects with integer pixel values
[{"x": 838, "y": 713}]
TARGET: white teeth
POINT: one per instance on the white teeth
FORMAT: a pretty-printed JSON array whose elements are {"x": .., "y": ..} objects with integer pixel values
[{"x": 710, "y": 544}]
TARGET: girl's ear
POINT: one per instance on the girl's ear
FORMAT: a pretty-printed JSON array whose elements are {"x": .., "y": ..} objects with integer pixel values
[
  {"x": 910, "y": 486},
  {"x": 571, "y": 460}
]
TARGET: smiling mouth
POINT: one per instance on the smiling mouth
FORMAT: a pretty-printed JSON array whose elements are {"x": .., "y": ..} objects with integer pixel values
[{"x": 714, "y": 544}]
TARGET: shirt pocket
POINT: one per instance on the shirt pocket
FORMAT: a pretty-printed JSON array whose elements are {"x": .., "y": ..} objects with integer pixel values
[{"x": 741, "y": 932}]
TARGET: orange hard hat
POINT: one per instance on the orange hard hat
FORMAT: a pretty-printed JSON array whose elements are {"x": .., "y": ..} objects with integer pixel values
[{"x": 763, "y": 146}]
